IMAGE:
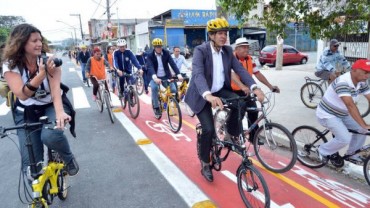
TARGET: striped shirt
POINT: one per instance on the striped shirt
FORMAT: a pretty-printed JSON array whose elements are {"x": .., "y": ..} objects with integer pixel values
[{"x": 332, "y": 105}]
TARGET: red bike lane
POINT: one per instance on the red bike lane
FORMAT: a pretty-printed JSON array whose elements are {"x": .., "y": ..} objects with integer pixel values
[{"x": 299, "y": 187}]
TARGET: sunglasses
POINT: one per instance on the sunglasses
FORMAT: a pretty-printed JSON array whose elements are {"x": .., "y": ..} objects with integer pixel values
[{"x": 335, "y": 46}]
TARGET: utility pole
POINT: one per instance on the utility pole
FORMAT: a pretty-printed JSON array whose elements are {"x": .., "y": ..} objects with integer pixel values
[{"x": 109, "y": 23}]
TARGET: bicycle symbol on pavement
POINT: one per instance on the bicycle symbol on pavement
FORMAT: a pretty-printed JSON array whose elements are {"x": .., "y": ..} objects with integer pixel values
[{"x": 164, "y": 127}]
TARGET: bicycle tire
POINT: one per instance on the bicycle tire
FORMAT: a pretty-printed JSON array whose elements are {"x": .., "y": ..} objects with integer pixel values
[
  {"x": 250, "y": 182},
  {"x": 139, "y": 85},
  {"x": 46, "y": 192},
  {"x": 87, "y": 82},
  {"x": 311, "y": 94},
  {"x": 363, "y": 106},
  {"x": 12, "y": 98},
  {"x": 275, "y": 147},
  {"x": 133, "y": 102},
  {"x": 62, "y": 185},
  {"x": 367, "y": 169},
  {"x": 308, "y": 140},
  {"x": 99, "y": 101},
  {"x": 219, "y": 120},
  {"x": 174, "y": 116},
  {"x": 107, "y": 104}
]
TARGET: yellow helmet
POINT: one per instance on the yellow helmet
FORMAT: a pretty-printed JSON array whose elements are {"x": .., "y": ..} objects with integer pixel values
[
  {"x": 218, "y": 24},
  {"x": 157, "y": 42}
]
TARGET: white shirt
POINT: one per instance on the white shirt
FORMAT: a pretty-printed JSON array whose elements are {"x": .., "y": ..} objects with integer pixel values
[
  {"x": 30, "y": 101},
  {"x": 160, "y": 72},
  {"x": 218, "y": 70},
  {"x": 179, "y": 61}
]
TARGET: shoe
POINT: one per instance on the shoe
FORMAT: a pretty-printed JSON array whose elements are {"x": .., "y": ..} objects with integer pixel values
[
  {"x": 322, "y": 158},
  {"x": 94, "y": 98},
  {"x": 207, "y": 173},
  {"x": 146, "y": 91},
  {"x": 72, "y": 167}
]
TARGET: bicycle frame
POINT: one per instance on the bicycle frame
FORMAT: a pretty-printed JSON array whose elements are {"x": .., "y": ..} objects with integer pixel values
[{"x": 164, "y": 93}]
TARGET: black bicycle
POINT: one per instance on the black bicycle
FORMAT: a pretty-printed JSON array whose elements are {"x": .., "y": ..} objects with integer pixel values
[
  {"x": 252, "y": 186},
  {"x": 129, "y": 94},
  {"x": 308, "y": 141}
]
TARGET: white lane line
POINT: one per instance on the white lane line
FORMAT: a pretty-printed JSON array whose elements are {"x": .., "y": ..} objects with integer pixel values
[
  {"x": 180, "y": 182},
  {"x": 256, "y": 194},
  {"x": 79, "y": 98},
  {"x": 146, "y": 99},
  {"x": 4, "y": 109},
  {"x": 72, "y": 69}
]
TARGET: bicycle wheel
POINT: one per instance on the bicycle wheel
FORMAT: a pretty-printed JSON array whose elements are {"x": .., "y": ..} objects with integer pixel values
[
  {"x": 367, "y": 169},
  {"x": 220, "y": 123},
  {"x": 363, "y": 106},
  {"x": 174, "y": 114},
  {"x": 311, "y": 94},
  {"x": 99, "y": 101},
  {"x": 308, "y": 140},
  {"x": 11, "y": 99},
  {"x": 275, "y": 147},
  {"x": 139, "y": 85},
  {"x": 62, "y": 185},
  {"x": 108, "y": 105},
  {"x": 88, "y": 82},
  {"x": 190, "y": 112},
  {"x": 133, "y": 103},
  {"x": 252, "y": 187}
]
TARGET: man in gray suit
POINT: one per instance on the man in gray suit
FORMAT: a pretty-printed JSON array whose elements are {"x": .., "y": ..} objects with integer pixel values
[{"x": 211, "y": 80}]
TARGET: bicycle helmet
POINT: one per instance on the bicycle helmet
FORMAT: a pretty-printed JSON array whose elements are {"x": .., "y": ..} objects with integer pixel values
[
  {"x": 157, "y": 42},
  {"x": 121, "y": 42},
  {"x": 218, "y": 24}
]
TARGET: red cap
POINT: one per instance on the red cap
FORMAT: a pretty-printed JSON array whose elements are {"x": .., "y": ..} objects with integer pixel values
[
  {"x": 96, "y": 49},
  {"x": 362, "y": 64}
]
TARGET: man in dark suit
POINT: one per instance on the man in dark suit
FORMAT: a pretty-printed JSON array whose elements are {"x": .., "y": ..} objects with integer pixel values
[
  {"x": 159, "y": 70},
  {"x": 211, "y": 80}
]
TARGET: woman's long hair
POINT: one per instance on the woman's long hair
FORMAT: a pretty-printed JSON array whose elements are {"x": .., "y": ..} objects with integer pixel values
[{"x": 14, "y": 52}]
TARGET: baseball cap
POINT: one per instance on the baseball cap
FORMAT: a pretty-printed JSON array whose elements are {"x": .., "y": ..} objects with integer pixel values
[
  {"x": 334, "y": 42},
  {"x": 83, "y": 46},
  {"x": 96, "y": 49},
  {"x": 363, "y": 64},
  {"x": 241, "y": 41}
]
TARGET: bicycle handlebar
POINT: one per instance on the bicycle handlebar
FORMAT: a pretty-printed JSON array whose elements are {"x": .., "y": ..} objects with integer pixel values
[
  {"x": 357, "y": 132},
  {"x": 228, "y": 101},
  {"x": 43, "y": 120}
]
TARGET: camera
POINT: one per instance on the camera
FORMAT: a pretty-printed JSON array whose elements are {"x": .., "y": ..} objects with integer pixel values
[
  {"x": 58, "y": 62},
  {"x": 39, "y": 94}
]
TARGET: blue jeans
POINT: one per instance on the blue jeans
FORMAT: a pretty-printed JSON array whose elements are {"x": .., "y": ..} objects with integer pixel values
[
  {"x": 53, "y": 139},
  {"x": 339, "y": 127},
  {"x": 155, "y": 89},
  {"x": 83, "y": 66},
  {"x": 123, "y": 80}
]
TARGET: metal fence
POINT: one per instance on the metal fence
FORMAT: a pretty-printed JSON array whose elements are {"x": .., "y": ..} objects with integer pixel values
[{"x": 354, "y": 46}]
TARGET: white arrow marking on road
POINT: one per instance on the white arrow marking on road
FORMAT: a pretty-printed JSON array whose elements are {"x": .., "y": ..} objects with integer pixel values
[
  {"x": 4, "y": 109},
  {"x": 258, "y": 194},
  {"x": 79, "y": 98}
]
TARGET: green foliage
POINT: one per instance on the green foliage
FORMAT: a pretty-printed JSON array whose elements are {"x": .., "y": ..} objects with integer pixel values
[
  {"x": 6, "y": 24},
  {"x": 324, "y": 19}
]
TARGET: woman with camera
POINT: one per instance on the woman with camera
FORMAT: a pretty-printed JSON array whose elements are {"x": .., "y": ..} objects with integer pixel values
[{"x": 36, "y": 82}]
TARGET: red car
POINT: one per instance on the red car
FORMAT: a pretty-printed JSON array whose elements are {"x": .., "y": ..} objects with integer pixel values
[{"x": 290, "y": 55}]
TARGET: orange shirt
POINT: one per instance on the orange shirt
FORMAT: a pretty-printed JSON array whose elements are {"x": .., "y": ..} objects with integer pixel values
[
  {"x": 248, "y": 66},
  {"x": 97, "y": 68},
  {"x": 110, "y": 59}
]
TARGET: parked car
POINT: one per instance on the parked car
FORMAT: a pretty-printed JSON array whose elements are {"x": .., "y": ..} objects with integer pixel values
[{"x": 290, "y": 55}]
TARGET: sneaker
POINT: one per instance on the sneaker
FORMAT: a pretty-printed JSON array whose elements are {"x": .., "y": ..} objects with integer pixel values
[
  {"x": 322, "y": 158},
  {"x": 72, "y": 167},
  {"x": 146, "y": 91},
  {"x": 157, "y": 113},
  {"x": 94, "y": 98}
]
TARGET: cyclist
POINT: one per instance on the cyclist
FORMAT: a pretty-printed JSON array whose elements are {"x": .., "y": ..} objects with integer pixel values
[
  {"x": 37, "y": 87},
  {"x": 83, "y": 56},
  {"x": 242, "y": 54},
  {"x": 157, "y": 63},
  {"x": 328, "y": 61},
  {"x": 123, "y": 59},
  {"x": 179, "y": 61},
  {"x": 141, "y": 56},
  {"x": 338, "y": 112},
  {"x": 109, "y": 57},
  {"x": 210, "y": 81},
  {"x": 95, "y": 69}
]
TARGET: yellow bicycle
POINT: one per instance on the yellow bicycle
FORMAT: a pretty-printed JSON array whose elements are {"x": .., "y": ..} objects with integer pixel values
[
  {"x": 51, "y": 181},
  {"x": 168, "y": 103},
  {"x": 182, "y": 89}
]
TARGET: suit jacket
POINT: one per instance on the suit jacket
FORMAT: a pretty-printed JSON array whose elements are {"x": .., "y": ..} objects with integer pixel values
[
  {"x": 152, "y": 64},
  {"x": 202, "y": 74}
]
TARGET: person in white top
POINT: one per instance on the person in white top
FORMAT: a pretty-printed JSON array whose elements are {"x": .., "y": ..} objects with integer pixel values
[
  {"x": 180, "y": 60},
  {"x": 37, "y": 86},
  {"x": 338, "y": 112}
]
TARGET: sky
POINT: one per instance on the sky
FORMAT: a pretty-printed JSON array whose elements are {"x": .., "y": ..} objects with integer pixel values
[{"x": 44, "y": 14}]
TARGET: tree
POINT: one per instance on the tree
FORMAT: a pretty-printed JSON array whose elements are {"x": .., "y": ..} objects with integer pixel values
[
  {"x": 6, "y": 24},
  {"x": 324, "y": 18}
]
